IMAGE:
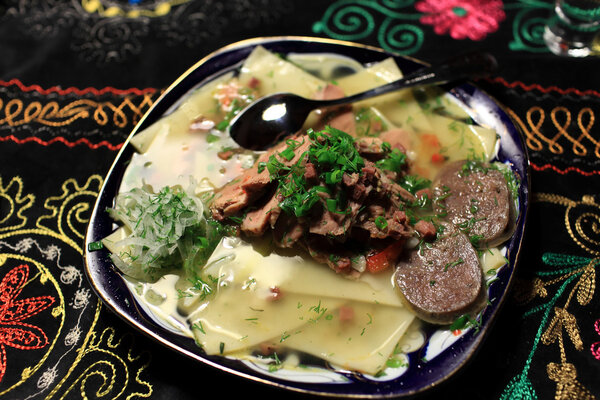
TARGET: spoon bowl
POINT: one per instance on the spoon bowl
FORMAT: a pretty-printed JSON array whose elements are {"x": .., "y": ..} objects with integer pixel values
[{"x": 271, "y": 118}]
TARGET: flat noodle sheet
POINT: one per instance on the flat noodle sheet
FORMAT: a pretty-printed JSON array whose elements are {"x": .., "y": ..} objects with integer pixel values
[
  {"x": 400, "y": 107},
  {"x": 170, "y": 153},
  {"x": 278, "y": 75},
  {"x": 307, "y": 314},
  {"x": 178, "y": 122},
  {"x": 363, "y": 343},
  {"x": 295, "y": 274},
  {"x": 237, "y": 319}
]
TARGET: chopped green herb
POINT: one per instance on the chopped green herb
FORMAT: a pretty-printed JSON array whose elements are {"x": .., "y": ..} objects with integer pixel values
[
  {"x": 381, "y": 223},
  {"x": 276, "y": 365},
  {"x": 203, "y": 286},
  {"x": 395, "y": 363},
  {"x": 94, "y": 246},
  {"x": 453, "y": 264},
  {"x": 464, "y": 321},
  {"x": 414, "y": 183},
  {"x": 210, "y": 138},
  {"x": 395, "y": 161},
  {"x": 198, "y": 326}
]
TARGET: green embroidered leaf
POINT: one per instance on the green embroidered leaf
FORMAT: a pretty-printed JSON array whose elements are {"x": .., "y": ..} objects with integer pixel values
[{"x": 519, "y": 388}]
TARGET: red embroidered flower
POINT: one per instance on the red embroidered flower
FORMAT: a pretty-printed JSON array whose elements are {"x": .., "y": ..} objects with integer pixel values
[
  {"x": 472, "y": 19},
  {"x": 13, "y": 332}
]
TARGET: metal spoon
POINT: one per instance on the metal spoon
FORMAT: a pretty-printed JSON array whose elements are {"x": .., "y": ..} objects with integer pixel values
[{"x": 269, "y": 119}]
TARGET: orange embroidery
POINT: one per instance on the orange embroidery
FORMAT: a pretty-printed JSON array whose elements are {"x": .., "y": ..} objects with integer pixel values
[
  {"x": 15, "y": 112},
  {"x": 538, "y": 132}
]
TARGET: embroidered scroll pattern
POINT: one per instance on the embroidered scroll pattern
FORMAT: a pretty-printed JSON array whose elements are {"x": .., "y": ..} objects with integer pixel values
[
  {"x": 560, "y": 131},
  {"x": 53, "y": 113},
  {"x": 48, "y": 248},
  {"x": 397, "y": 31},
  {"x": 399, "y": 25},
  {"x": 113, "y": 31},
  {"x": 567, "y": 279},
  {"x": 92, "y": 117},
  {"x": 528, "y": 24}
]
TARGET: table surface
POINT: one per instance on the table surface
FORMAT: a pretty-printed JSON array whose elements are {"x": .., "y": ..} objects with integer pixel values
[{"x": 75, "y": 78}]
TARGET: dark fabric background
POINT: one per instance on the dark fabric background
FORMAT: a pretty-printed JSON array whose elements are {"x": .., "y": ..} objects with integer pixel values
[{"x": 98, "y": 73}]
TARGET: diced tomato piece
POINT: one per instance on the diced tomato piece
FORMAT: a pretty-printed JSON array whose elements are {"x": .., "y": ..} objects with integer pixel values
[
  {"x": 225, "y": 155},
  {"x": 385, "y": 258},
  {"x": 437, "y": 158},
  {"x": 377, "y": 262}
]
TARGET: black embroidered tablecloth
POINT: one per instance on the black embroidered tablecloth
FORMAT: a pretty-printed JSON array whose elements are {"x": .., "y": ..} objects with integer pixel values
[{"x": 75, "y": 78}]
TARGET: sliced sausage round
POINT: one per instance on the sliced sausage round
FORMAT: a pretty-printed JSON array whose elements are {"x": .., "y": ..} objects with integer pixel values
[
  {"x": 442, "y": 280},
  {"x": 476, "y": 199}
]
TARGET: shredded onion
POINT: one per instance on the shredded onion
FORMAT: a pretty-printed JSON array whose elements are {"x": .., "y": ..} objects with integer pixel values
[{"x": 166, "y": 230}]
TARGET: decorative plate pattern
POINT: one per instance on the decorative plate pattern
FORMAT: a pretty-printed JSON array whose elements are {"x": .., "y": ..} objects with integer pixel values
[{"x": 424, "y": 370}]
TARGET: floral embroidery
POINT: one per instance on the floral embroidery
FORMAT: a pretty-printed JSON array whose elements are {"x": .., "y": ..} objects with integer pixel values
[
  {"x": 472, "y": 19},
  {"x": 13, "y": 332},
  {"x": 595, "y": 347}
]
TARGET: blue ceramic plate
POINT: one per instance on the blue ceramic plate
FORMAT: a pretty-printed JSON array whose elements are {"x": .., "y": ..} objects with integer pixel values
[{"x": 421, "y": 374}]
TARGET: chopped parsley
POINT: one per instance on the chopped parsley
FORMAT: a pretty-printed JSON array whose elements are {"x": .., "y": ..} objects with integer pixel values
[
  {"x": 453, "y": 264},
  {"x": 414, "y": 183},
  {"x": 333, "y": 153},
  {"x": 463, "y": 322},
  {"x": 381, "y": 223},
  {"x": 394, "y": 161}
]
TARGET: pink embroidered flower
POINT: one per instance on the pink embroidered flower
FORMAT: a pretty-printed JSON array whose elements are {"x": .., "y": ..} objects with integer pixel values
[
  {"x": 595, "y": 347},
  {"x": 472, "y": 19}
]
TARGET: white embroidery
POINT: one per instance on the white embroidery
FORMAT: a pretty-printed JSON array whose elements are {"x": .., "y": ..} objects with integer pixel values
[
  {"x": 70, "y": 274},
  {"x": 81, "y": 298},
  {"x": 73, "y": 336},
  {"x": 47, "y": 378},
  {"x": 24, "y": 245},
  {"x": 51, "y": 252}
]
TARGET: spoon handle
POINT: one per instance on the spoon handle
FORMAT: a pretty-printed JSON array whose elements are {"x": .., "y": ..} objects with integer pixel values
[{"x": 462, "y": 67}]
